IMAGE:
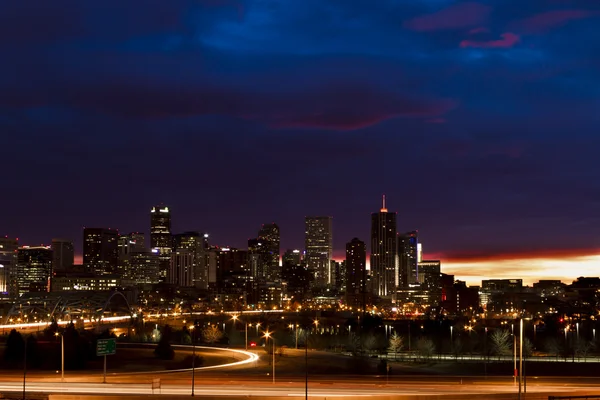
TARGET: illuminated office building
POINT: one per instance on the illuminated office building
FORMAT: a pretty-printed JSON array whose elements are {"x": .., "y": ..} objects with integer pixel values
[
  {"x": 189, "y": 260},
  {"x": 8, "y": 267},
  {"x": 319, "y": 249},
  {"x": 160, "y": 237},
  {"x": 100, "y": 250},
  {"x": 34, "y": 269},
  {"x": 384, "y": 252},
  {"x": 356, "y": 272},
  {"x": 408, "y": 253}
]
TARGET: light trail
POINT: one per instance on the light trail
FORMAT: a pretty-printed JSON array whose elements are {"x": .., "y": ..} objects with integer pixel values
[{"x": 251, "y": 358}]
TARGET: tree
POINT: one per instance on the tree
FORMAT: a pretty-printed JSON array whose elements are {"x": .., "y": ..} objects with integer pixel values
[
  {"x": 583, "y": 347},
  {"x": 370, "y": 342},
  {"x": 353, "y": 343},
  {"x": 501, "y": 343},
  {"x": 552, "y": 347},
  {"x": 457, "y": 347},
  {"x": 15, "y": 347},
  {"x": 527, "y": 347},
  {"x": 163, "y": 349},
  {"x": 212, "y": 334},
  {"x": 425, "y": 347},
  {"x": 396, "y": 343},
  {"x": 33, "y": 352}
]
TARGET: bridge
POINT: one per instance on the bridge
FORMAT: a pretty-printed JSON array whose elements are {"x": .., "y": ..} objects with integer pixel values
[{"x": 69, "y": 306}]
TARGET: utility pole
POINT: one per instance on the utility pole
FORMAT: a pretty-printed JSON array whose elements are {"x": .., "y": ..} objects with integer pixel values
[
  {"x": 24, "y": 367},
  {"x": 520, "y": 356}
]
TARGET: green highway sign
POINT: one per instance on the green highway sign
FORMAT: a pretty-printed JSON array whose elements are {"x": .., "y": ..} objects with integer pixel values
[{"x": 106, "y": 347}]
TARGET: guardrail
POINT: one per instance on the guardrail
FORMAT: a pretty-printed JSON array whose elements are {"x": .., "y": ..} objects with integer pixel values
[{"x": 573, "y": 397}]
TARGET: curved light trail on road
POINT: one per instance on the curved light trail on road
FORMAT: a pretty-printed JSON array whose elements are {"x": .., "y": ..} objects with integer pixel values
[{"x": 251, "y": 358}]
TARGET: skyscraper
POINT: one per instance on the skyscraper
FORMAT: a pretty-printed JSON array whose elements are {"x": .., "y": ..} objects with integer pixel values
[
  {"x": 384, "y": 252},
  {"x": 270, "y": 234},
  {"x": 34, "y": 269},
  {"x": 295, "y": 274},
  {"x": 264, "y": 254},
  {"x": 129, "y": 244},
  {"x": 160, "y": 237},
  {"x": 100, "y": 250},
  {"x": 8, "y": 266},
  {"x": 356, "y": 272},
  {"x": 188, "y": 261},
  {"x": 408, "y": 253},
  {"x": 63, "y": 253},
  {"x": 319, "y": 249}
]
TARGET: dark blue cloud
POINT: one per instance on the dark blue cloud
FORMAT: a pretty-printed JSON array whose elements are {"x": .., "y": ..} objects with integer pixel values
[{"x": 239, "y": 112}]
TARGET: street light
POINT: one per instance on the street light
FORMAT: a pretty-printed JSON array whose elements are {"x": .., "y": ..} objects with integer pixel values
[
  {"x": 193, "y": 329},
  {"x": 267, "y": 336},
  {"x": 235, "y": 317},
  {"x": 62, "y": 355},
  {"x": 291, "y": 326},
  {"x": 520, "y": 356}
]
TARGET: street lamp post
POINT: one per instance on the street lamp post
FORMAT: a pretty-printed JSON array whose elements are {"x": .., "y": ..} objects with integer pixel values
[
  {"x": 193, "y": 329},
  {"x": 267, "y": 336},
  {"x": 62, "y": 356},
  {"x": 24, "y": 367},
  {"x": 520, "y": 356},
  {"x": 235, "y": 318},
  {"x": 306, "y": 363},
  {"x": 512, "y": 328}
]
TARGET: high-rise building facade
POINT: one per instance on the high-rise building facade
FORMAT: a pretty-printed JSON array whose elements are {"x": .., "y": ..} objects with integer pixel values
[
  {"x": 408, "y": 253},
  {"x": 295, "y": 275},
  {"x": 269, "y": 233},
  {"x": 181, "y": 272},
  {"x": 34, "y": 269},
  {"x": 384, "y": 252},
  {"x": 160, "y": 237},
  {"x": 8, "y": 267},
  {"x": 188, "y": 261},
  {"x": 143, "y": 268},
  {"x": 100, "y": 250},
  {"x": 356, "y": 272},
  {"x": 63, "y": 253},
  {"x": 319, "y": 249},
  {"x": 133, "y": 242},
  {"x": 129, "y": 244}
]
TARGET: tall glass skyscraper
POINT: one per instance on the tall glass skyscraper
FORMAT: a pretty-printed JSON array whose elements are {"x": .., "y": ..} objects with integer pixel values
[
  {"x": 319, "y": 249},
  {"x": 8, "y": 266},
  {"x": 100, "y": 250},
  {"x": 160, "y": 237},
  {"x": 384, "y": 252}
]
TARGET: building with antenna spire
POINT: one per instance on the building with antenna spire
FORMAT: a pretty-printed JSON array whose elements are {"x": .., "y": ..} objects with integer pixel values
[{"x": 384, "y": 252}]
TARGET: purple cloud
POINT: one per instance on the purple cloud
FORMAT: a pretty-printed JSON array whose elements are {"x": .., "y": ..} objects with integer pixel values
[
  {"x": 456, "y": 16},
  {"x": 552, "y": 19},
  {"x": 507, "y": 40}
]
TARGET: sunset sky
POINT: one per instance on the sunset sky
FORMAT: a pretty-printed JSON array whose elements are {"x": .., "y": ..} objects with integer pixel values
[{"x": 479, "y": 121}]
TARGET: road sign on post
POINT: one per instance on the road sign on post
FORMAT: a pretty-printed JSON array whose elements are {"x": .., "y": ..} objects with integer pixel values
[{"x": 106, "y": 347}]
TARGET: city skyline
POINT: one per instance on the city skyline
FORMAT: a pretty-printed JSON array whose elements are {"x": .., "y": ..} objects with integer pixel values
[
  {"x": 565, "y": 265},
  {"x": 476, "y": 118}
]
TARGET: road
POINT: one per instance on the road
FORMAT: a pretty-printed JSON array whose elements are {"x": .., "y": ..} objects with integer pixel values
[
  {"x": 251, "y": 376},
  {"x": 341, "y": 387}
]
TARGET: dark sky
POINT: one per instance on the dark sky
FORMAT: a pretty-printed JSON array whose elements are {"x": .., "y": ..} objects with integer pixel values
[{"x": 479, "y": 120}]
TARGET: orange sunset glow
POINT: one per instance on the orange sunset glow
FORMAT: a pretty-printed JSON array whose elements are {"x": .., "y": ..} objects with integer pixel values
[{"x": 564, "y": 265}]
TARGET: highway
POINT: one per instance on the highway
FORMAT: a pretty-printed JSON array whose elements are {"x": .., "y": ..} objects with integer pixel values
[
  {"x": 342, "y": 388},
  {"x": 250, "y": 375}
]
